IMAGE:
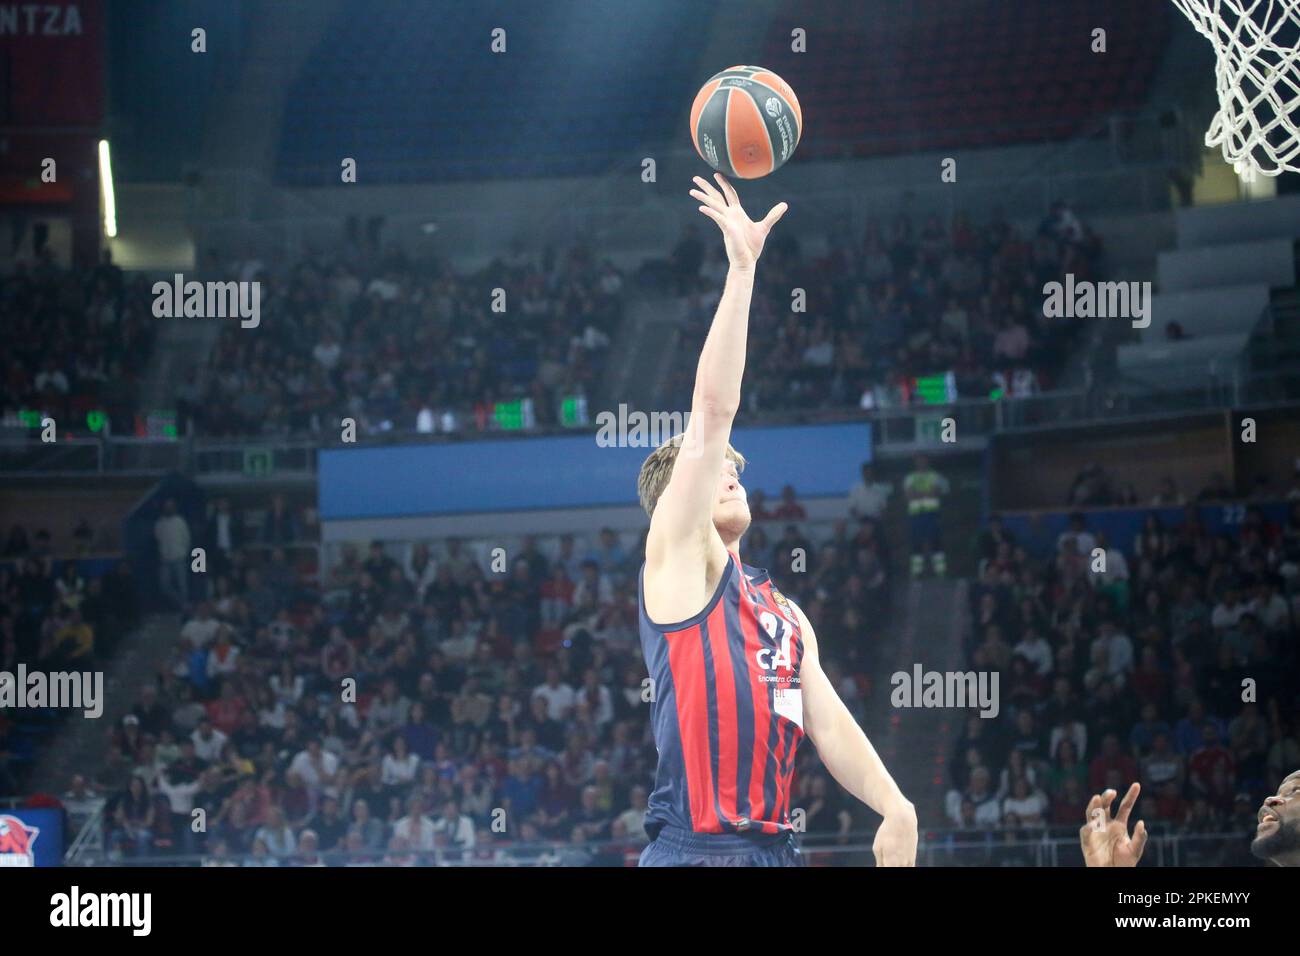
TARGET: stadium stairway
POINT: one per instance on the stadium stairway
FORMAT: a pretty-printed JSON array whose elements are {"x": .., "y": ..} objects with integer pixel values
[
  {"x": 80, "y": 745},
  {"x": 646, "y": 343},
  {"x": 178, "y": 355},
  {"x": 1227, "y": 280},
  {"x": 932, "y": 618}
]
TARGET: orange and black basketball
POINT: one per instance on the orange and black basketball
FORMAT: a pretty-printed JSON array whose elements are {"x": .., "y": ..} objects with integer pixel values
[{"x": 746, "y": 122}]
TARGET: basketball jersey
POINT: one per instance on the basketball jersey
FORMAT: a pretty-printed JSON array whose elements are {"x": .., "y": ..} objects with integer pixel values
[{"x": 727, "y": 708}]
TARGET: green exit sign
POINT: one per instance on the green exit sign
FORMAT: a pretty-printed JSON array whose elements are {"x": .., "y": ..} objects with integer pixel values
[
  {"x": 258, "y": 462},
  {"x": 929, "y": 429}
]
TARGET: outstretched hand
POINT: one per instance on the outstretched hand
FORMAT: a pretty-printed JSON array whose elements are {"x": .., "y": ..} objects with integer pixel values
[
  {"x": 1104, "y": 839},
  {"x": 744, "y": 238}
]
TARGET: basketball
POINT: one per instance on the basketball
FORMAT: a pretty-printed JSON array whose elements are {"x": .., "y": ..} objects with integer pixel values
[{"x": 746, "y": 122}]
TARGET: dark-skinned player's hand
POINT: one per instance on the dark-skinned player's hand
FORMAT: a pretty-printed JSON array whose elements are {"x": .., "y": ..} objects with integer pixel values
[{"x": 1104, "y": 839}]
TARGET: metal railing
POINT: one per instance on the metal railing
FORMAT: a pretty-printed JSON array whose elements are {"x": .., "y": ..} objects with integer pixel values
[
  {"x": 258, "y": 457},
  {"x": 89, "y": 840},
  {"x": 937, "y": 848}
]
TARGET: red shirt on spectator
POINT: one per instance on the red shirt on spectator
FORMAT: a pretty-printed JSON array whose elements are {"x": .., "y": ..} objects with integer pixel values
[
  {"x": 789, "y": 509},
  {"x": 225, "y": 713},
  {"x": 1205, "y": 761},
  {"x": 1101, "y": 766}
]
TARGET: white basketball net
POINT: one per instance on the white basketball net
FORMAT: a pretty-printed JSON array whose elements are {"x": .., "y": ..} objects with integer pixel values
[{"x": 1258, "y": 80}]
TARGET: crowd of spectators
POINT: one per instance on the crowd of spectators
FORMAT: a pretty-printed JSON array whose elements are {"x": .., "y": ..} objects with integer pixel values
[
  {"x": 426, "y": 703},
  {"x": 400, "y": 344},
  {"x": 1173, "y": 663},
  {"x": 56, "y": 614},
  {"x": 1096, "y": 487},
  {"x": 76, "y": 344},
  {"x": 897, "y": 304}
]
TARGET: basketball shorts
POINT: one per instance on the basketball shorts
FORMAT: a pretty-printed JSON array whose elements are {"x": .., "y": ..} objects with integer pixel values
[{"x": 676, "y": 847}]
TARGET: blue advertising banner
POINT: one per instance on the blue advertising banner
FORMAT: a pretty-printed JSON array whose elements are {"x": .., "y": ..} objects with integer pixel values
[
  {"x": 31, "y": 837},
  {"x": 565, "y": 472}
]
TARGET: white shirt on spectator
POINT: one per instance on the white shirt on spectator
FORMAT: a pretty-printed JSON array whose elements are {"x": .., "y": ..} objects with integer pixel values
[
  {"x": 1038, "y": 652},
  {"x": 327, "y": 354},
  {"x": 173, "y": 536},
  {"x": 559, "y": 699},
  {"x": 460, "y": 832},
  {"x": 209, "y": 749},
  {"x": 869, "y": 500},
  {"x": 1225, "y": 618},
  {"x": 1119, "y": 654},
  {"x": 418, "y": 833},
  {"x": 200, "y": 633},
  {"x": 395, "y": 771},
  {"x": 1029, "y": 808},
  {"x": 1273, "y": 613},
  {"x": 310, "y": 773},
  {"x": 180, "y": 796},
  {"x": 218, "y": 666},
  {"x": 55, "y": 380},
  {"x": 1084, "y": 542}
]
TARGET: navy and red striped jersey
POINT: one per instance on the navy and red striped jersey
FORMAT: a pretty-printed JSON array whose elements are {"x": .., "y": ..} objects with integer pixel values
[{"x": 727, "y": 708}]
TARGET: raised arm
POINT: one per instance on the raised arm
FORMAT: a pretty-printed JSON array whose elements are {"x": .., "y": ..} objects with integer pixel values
[
  {"x": 681, "y": 529},
  {"x": 852, "y": 761}
]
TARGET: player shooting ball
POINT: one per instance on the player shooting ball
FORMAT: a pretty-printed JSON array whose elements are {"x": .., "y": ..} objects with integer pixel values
[{"x": 737, "y": 679}]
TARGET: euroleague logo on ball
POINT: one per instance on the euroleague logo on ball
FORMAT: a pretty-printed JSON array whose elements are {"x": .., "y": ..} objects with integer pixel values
[
  {"x": 710, "y": 151},
  {"x": 773, "y": 106}
]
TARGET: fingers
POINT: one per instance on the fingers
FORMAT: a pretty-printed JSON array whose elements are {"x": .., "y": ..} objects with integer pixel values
[
  {"x": 713, "y": 200},
  {"x": 1139, "y": 841},
  {"x": 1126, "y": 804},
  {"x": 775, "y": 214},
  {"x": 1094, "y": 805},
  {"x": 714, "y": 215},
  {"x": 708, "y": 187},
  {"x": 727, "y": 189}
]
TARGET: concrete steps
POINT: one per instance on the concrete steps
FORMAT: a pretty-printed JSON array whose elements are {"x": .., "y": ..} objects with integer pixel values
[{"x": 80, "y": 744}]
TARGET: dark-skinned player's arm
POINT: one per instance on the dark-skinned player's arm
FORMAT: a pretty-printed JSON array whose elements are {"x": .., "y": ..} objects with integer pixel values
[
  {"x": 852, "y": 761},
  {"x": 683, "y": 517}
]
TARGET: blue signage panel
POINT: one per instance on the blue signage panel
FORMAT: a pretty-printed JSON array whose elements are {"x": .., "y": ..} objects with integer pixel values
[
  {"x": 31, "y": 837},
  {"x": 565, "y": 472}
]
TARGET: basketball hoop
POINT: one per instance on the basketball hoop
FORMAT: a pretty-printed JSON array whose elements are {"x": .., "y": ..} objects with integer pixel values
[{"x": 1257, "y": 45}]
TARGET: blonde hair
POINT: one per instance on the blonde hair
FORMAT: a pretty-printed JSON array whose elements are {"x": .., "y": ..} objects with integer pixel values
[{"x": 657, "y": 470}]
